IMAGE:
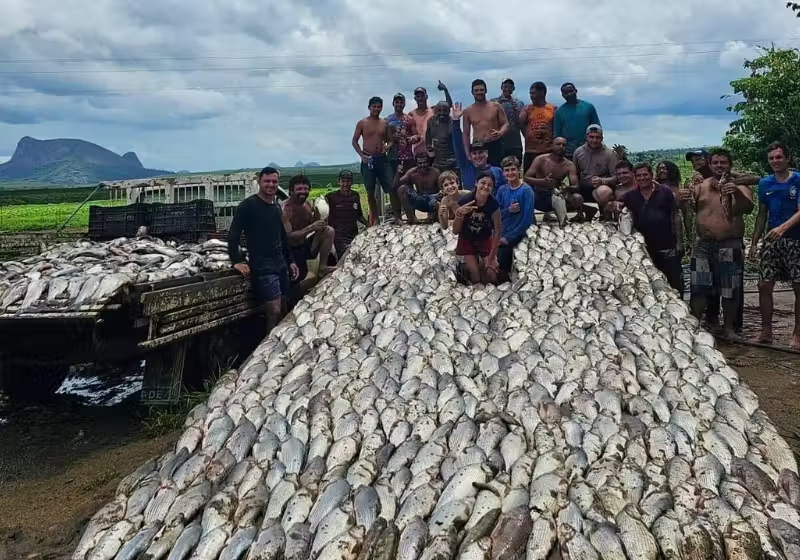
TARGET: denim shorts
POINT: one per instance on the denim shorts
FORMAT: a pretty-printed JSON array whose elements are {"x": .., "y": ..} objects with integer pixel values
[
  {"x": 269, "y": 287},
  {"x": 422, "y": 202}
]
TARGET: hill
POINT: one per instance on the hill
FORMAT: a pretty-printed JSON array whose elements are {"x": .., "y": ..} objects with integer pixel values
[{"x": 66, "y": 161}]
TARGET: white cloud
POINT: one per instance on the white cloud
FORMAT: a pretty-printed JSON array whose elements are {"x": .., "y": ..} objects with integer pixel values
[{"x": 224, "y": 85}]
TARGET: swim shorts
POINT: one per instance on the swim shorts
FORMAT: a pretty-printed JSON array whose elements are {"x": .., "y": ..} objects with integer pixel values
[
  {"x": 269, "y": 287},
  {"x": 780, "y": 260},
  {"x": 718, "y": 268},
  {"x": 422, "y": 202},
  {"x": 379, "y": 171},
  {"x": 473, "y": 247}
]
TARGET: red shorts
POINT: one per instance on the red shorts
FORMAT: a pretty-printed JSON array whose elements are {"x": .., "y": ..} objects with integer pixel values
[{"x": 473, "y": 247}]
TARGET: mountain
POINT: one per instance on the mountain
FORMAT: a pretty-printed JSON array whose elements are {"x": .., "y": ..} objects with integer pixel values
[
  {"x": 307, "y": 164},
  {"x": 65, "y": 161}
]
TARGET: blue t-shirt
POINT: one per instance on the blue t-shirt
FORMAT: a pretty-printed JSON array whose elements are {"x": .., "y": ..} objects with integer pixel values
[
  {"x": 478, "y": 224},
  {"x": 571, "y": 122},
  {"x": 781, "y": 201},
  {"x": 515, "y": 225}
]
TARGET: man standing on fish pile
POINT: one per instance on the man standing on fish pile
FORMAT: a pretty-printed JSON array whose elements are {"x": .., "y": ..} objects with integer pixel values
[
  {"x": 485, "y": 121},
  {"x": 778, "y": 208},
  {"x": 403, "y": 135},
  {"x": 573, "y": 117},
  {"x": 418, "y": 188},
  {"x": 345, "y": 213},
  {"x": 718, "y": 256},
  {"x": 376, "y": 136},
  {"x": 516, "y": 213},
  {"x": 546, "y": 175},
  {"x": 439, "y": 138},
  {"x": 536, "y": 121},
  {"x": 655, "y": 214},
  {"x": 478, "y": 160},
  {"x": 270, "y": 264},
  {"x": 309, "y": 236},
  {"x": 513, "y": 106},
  {"x": 702, "y": 171},
  {"x": 479, "y": 228},
  {"x": 596, "y": 164}
]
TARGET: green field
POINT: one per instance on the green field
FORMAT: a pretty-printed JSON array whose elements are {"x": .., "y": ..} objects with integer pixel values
[{"x": 41, "y": 216}]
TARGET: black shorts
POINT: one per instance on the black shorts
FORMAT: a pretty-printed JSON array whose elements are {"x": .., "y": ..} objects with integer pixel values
[
  {"x": 587, "y": 192},
  {"x": 515, "y": 151},
  {"x": 495, "y": 149},
  {"x": 302, "y": 254}
]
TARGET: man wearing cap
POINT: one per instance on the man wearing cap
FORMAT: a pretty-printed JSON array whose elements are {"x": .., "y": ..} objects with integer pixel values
[
  {"x": 702, "y": 171},
  {"x": 478, "y": 160},
  {"x": 513, "y": 106},
  {"x": 403, "y": 135},
  {"x": 485, "y": 121},
  {"x": 596, "y": 164},
  {"x": 536, "y": 121},
  {"x": 572, "y": 118},
  {"x": 345, "y": 212},
  {"x": 421, "y": 115}
]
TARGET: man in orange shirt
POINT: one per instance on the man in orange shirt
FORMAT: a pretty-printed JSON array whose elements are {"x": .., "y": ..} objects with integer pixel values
[{"x": 536, "y": 121}]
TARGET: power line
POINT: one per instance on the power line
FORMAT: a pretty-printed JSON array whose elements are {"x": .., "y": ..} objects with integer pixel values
[
  {"x": 327, "y": 86},
  {"x": 373, "y": 54},
  {"x": 300, "y": 67}
]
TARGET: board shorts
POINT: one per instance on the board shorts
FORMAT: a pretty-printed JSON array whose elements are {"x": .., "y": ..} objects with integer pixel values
[
  {"x": 587, "y": 192},
  {"x": 303, "y": 253},
  {"x": 780, "y": 260},
  {"x": 422, "y": 202},
  {"x": 270, "y": 286},
  {"x": 669, "y": 263},
  {"x": 543, "y": 201},
  {"x": 473, "y": 247},
  {"x": 718, "y": 268},
  {"x": 515, "y": 151},
  {"x": 379, "y": 171},
  {"x": 495, "y": 149}
]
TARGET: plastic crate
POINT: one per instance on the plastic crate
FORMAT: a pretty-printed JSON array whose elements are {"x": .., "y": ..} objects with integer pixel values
[
  {"x": 184, "y": 218},
  {"x": 109, "y": 222}
]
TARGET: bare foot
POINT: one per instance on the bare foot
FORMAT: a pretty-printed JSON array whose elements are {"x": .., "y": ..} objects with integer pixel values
[
  {"x": 325, "y": 270},
  {"x": 795, "y": 344},
  {"x": 729, "y": 335},
  {"x": 764, "y": 338}
]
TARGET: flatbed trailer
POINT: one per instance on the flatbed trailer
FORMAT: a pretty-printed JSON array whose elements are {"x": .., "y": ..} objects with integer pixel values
[{"x": 183, "y": 329}]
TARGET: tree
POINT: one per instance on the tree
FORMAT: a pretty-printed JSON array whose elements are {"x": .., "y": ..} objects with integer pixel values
[
  {"x": 769, "y": 109},
  {"x": 795, "y": 7}
]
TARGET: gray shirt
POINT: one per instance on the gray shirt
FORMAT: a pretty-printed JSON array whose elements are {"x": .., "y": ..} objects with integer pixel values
[
  {"x": 512, "y": 107},
  {"x": 600, "y": 163}
]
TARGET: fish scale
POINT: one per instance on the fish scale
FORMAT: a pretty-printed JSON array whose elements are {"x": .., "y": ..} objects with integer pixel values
[{"x": 577, "y": 410}]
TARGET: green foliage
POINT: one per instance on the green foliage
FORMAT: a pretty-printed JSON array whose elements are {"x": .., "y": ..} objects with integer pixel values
[
  {"x": 40, "y": 195},
  {"x": 769, "y": 109}
]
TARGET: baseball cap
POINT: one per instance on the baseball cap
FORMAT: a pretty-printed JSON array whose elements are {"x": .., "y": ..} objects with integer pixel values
[
  {"x": 594, "y": 128},
  {"x": 690, "y": 155},
  {"x": 399, "y": 96},
  {"x": 345, "y": 174},
  {"x": 420, "y": 90},
  {"x": 477, "y": 146}
]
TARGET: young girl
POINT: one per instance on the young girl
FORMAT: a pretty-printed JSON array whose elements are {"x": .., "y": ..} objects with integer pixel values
[{"x": 478, "y": 228}]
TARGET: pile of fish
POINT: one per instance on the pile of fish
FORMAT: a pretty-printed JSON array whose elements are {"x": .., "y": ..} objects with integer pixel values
[
  {"x": 577, "y": 412},
  {"x": 69, "y": 276}
]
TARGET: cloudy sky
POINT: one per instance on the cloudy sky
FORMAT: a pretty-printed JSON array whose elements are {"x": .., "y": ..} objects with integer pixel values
[{"x": 220, "y": 84}]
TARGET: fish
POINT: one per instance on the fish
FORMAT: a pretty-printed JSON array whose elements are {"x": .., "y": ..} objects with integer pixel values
[{"x": 577, "y": 410}]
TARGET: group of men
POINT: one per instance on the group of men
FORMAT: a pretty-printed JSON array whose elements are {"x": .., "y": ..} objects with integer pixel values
[{"x": 481, "y": 179}]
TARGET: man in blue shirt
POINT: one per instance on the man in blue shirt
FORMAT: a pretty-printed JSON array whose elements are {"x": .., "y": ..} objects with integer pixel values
[
  {"x": 469, "y": 170},
  {"x": 516, "y": 212},
  {"x": 573, "y": 118},
  {"x": 780, "y": 255}
]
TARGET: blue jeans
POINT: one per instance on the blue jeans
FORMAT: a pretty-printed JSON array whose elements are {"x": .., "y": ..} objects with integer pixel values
[{"x": 271, "y": 286}]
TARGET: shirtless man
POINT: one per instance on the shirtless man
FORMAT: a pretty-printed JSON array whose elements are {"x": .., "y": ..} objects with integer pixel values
[
  {"x": 718, "y": 259},
  {"x": 487, "y": 122},
  {"x": 376, "y": 136},
  {"x": 308, "y": 235},
  {"x": 546, "y": 175},
  {"x": 418, "y": 188}
]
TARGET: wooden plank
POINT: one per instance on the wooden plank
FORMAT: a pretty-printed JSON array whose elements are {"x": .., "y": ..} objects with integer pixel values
[
  {"x": 171, "y": 299},
  {"x": 163, "y": 377},
  {"x": 199, "y": 319},
  {"x": 155, "y": 343},
  {"x": 181, "y": 314}
]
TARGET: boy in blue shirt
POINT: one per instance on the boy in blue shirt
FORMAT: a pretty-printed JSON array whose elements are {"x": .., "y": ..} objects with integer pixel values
[
  {"x": 780, "y": 255},
  {"x": 516, "y": 212}
]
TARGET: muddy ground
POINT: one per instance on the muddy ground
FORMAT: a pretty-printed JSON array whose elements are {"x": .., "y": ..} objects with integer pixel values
[{"x": 61, "y": 462}]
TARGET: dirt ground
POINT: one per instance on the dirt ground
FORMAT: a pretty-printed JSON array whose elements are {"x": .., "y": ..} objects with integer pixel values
[{"x": 59, "y": 463}]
